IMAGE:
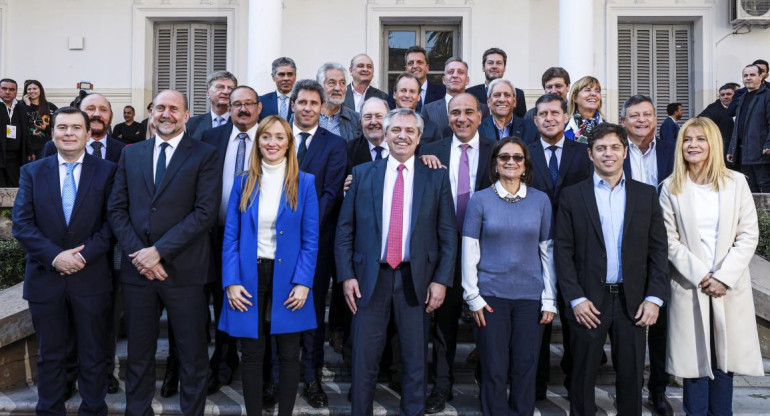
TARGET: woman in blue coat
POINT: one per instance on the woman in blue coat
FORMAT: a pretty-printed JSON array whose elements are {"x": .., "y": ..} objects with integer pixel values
[{"x": 268, "y": 261}]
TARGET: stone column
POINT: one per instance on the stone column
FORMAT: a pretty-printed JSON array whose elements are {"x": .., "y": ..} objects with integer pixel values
[
  {"x": 264, "y": 42},
  {"x": 576, "y": 37}
]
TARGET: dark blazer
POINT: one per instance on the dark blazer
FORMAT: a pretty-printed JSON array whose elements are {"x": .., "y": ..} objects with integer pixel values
[
  {"x": 575, "y": 167},
  {"x": 20, "y": 123},
  {"x": 39, "y": 225},
  {"x": 370, "y": 92},
  {"x": 433, "y": 239},
  {"x": 436, "y": 112},
  {"x": 756, "y": 130},
  {"x": 200, "y": 123},
  {"x": 480, "y": 92},
  {"x": 175, "y": 218},
  {"x": 270, "y": 105},
  {"x": 433, "y": 92},
  {"x": 443, "y": 149},
  {"x": 664, "y": 153},
  {"x": 219, "y": 137},
  {"x": 580, "y": 252},
  {"x": 113, "y": 151},
  {"x": 718, "y": 114},
  {"x": 668, "y": 130},
  {"x": 358, "y": 152},
  {"x": 521, "y": 128}
]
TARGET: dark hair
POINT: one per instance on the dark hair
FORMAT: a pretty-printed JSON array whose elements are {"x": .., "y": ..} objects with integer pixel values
[
  {"x": 283, "y": 61},
  {"x": 761, "y": 62},
  {"x": 9, "y": 80},
  {"x": 729, "y": 86},
  {"x": 759, "y": 70},
  {"x": 409, "y": 76},
  {"x": 42, "y": 107},
  {"x": 555, "y": 72},
  {"x": 672, "y": 108},
  {"x": 307, "y": 85},
  {"x": 547, "y": 98},
  {"x": 79, "y": 99},
  {"x": 604, "y": 129},
  {"x": 131, "y": 107},
  {"x": 634, "y": 100},
  {"x": 526, "y": 178},
  {"x": 71, "y": 110},
  {"x": 243, "y": 87},
  {"x": 415, "y": 49},
  {"x": 455, "y": 59},
  {"x": 491, "y": 51}
]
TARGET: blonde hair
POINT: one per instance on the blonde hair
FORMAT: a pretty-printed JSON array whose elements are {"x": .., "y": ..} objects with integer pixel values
[
  {"x": 716, "y": 171},
  {"x": 586, "y": 81},
  {"x": 291, "y": 180}
]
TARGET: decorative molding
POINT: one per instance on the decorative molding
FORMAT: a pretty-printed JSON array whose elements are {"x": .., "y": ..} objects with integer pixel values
[{"x": 7, "y": 197}]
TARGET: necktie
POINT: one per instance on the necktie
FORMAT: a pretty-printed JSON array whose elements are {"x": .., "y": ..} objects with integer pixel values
[
  {"x": 553, "y": 165},
  {"x": 393, "y": 255},
  {"x": 97, "y": 146},
  {"x": 284, "y": 110},
  {"x": 302, "y": 147},
  {"x": 463, "y": 186},
  {"x": 219, "y": 121},
  {"x": 68, "y": 192},
  {"x": 241, "y": 155},
  {"x": 378, "y": 155},
  {"x": 160, "y": 167}
]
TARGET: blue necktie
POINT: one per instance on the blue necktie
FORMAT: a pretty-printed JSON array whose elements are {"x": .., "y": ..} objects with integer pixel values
[
  {"x": 68, "y": 192},
  {"x": 97, "y": 146},
  {"x": 553, "y": 165},
  {"x": 241, "y": 155},
  {"x": 160, "y": 167},
  {"x": 302, "y": 147},
  {"x": 284, "y": 110},
  {"x": 379, "y": 150}
]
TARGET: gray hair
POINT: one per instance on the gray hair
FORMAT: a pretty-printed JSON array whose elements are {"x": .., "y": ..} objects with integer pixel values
[
  {"x": 403, "y": 112},
  {"x": 353, "y": 59},
  {"x": 374, "y": 100},
  {"x": 634, "y": 100},
  {"x": 455, "y": 59},
  {"x": 283, "y": 61},
  {"x": 499, "y": 81},
  {"x": 321, "y": 74},
  {"x": 220, "y": 75}
]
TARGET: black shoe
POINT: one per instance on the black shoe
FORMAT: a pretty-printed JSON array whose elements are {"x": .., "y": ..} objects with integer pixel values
[
  {"x": 112, "y": 384},
  {"x": 314, "y": 394},
  {"x": 660, "y": 404},
  {"x": 604, "y": 358},
  {"x": 395, "y": 385},
  {"x": 69, "y": 390},
  {"x": 337, "y": 340},
  {"x": 436, "y": 401},
  {"x": 269, "y": 392},
  {"x": 350, "y": 394},
  {"x": 541, "y": 394},
  {"x": 170, "y": 385},
  {"x": 213, "y": 385}
]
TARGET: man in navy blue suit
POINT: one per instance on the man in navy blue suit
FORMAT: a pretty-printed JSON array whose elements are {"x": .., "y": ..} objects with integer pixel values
[
  {"x": 60, "y": 219},
  {"x": 284, "y": 74},
  {"x": 670, "y": 127},
  {"x": 218, "y": 88},
  {"x": 395, "y": 252},
  {"x": 323, "y": 154},
  {"x": 417, "y": 64},
  {"x": 163, "y": 203}
]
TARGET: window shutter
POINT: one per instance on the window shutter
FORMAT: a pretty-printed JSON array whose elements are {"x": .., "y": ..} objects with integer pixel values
[
  {"x": 181, "y": 65},
  {"x": 163, "y": 50},
  {"x": 220, "y": 48},
  {"x": 643, "y": 62},
  {"x": 200, "y": 69},
  {"x": 662, "y": 93},
  {"x": 682, "y": 42},
  {"x": 625, "y": 64}
]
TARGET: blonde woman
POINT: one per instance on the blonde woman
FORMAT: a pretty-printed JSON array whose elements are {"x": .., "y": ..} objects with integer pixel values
[
  {"x": 268, "y": 261},
  {"x": 585, "y": 109},
  {"x": 712, "y": 234}
]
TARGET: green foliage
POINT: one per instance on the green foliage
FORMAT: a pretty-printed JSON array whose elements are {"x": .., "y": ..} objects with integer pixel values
[
  {"x": 12, "y": 258},
  {"x": 763, "y": 249},
  {"x": 5, "y": 212}
]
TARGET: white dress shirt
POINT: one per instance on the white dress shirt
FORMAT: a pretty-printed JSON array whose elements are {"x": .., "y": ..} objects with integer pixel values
[
  {"x": 559, "y": 150},
  {"x": 103, "y": 141},
  {"x": 423, "y": 91},
  {"x": 455, "y": 153},
  {"x": 173, "y": 144},
  {"x": 225, "y": 117},
  {"x": 644, "y": 166},
  {"x": 228, "y": 171},
  {"x": 373, "y": 153},
  {"x": 391, "y": 172},
  {"x": 298, "y": 139},
  {"x": 358, "y": 99}
]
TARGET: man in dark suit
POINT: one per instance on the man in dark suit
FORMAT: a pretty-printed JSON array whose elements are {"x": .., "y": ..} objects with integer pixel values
[
  {"x": 13, "y": 147},
  {"x": 466, "y": 153},
  {"x": 557, "y": 163},
  {"x": 324, "y": 155},
  {"x": 611, "y": 265},
  {"x": 455, "y": 80},
  {"x": 417, "y": 64},
  {"x": 360, "y": 88},
  {"x": 502, "y": 103},
  {"x": 717, "y": 112},
  {"x": 493, "y": 64},
  {"x": 60, "y": 219},
  {"x": 650, "y": 161},
  {"x": 219, "y": 86},
  {"x": 407, "y": 95},
  {"x": 670, "y": 128},
  {"x": 395, "y": 253},
  {"x": 164, "y": 200},
  {"x": 284, "y": 74},
  {"x": 750, "y": 141}
]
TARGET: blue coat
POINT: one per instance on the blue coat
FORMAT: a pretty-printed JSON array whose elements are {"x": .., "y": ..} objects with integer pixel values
[
  {"x": 295, "y": 260},
  {"x": 669, "y": 130}
]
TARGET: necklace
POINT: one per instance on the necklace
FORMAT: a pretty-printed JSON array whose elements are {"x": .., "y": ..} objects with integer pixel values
[{"x": 511, "y": 199}]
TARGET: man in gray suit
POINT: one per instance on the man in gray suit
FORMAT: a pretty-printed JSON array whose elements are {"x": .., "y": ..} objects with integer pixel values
[
  {"x": 360, "y": 88},
  {"x": 219, "y": 85}
]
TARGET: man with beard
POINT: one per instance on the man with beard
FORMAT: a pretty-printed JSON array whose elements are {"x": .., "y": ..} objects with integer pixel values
[
  {"x": 219, "y": 86},
  {"x": 130, "y": 131},
  {"x": 493, "y": 64},
  {"x": 284, "y": 74},
  {"x": 360, "y": 89},
  {"x": 335, "y": 117}
]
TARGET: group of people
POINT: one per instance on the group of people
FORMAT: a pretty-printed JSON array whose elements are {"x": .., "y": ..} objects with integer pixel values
[{"x": 406, "y": 205}]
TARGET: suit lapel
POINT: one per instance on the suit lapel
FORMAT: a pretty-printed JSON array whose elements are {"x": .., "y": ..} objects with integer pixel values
[
  {"x": 632, "y": 202},
  {"x": 589, "y": 198},
  {"x": 222, "y": 143},
  {"x": 87, "y": 172},
  {"x": 54, "y": 188},
  {"x": 485, "y": 151},
  {"x": 315, "y": 144},
  {"x": 145, "y": 158},
  {"x": 567, "y": 157},
  {"x": 690, "y": 221},
  {"x": 445, "y": 151},
  {"x": 177, "y": 160},
  {"x": 538, "y": 160},
  {"x": 377, "y": 185},
  {"x": 349, "y": 101},
  {"x": 418, "y": 187}
]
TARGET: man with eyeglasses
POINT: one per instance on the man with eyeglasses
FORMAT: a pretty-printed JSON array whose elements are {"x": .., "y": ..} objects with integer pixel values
[{"x": 219, "y": 86}]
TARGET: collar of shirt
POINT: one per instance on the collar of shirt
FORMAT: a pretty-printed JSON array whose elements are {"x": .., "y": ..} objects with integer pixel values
[
  {"x": 279, "y": 94},
  {"x": 296, "y": 130},
  {"x": 559, "y": 144},
  {"x": 474, "y": 142},
  {"x": 173, "y": 142},
  {"x": 356, "y": 94},
  {"x": 393, "y": 164},
  {"x": 225, "y": 116},
  {"x": 383, "y": 145},
  {"x": 650, "y": 149},
  {"x": 521, "y": 193},
  {"x": 62, "y": 161},
  {"x": 252, "y": 132},
  {"x": 601, "y": 183},
  {"x": 103, "y": 141},
  {"x": 13, "y": 104}
]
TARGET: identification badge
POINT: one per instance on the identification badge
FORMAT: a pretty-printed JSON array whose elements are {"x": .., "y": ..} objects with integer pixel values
[{"x": 10, "y": 131}]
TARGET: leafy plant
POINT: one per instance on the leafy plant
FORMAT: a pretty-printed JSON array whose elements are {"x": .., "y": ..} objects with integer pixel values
[
  {"x": 12, "y": 258},
  {"x": 763, "y": 249}
]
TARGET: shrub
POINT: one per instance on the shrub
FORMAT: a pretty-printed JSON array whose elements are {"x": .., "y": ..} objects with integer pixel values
[
  {"x": 12, "y": 258},
  {"x": 763, "y": 249}
]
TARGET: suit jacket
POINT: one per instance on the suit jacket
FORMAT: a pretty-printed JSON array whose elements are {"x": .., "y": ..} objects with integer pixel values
[
  {"x": 719, "y": 115},
  {"x": 480, "y": 92},
  {"x": 664, "y": 153},
  {"x": 370, "y": 92},
  {"x": 436, "y": 112},
  {"x": 433, "y": 239},
  {"x": 270, "y": 105},
  {"x": 113, "y": 151},
  {"x": 521, "y": 128},
  {"x": 756, "y": 130},
  {"x": 575, "y": 167},
  {"x": 581, "y": 255},
  {"x": 200, "y": 123},
  {"x": 433, "y": 92},
  {"x": 669, "y": 129},
  {"x": 358, "y": 152},
  {"x": 40, "y": 228},
  {"x": 20, "y": 123},
  {"x": 295, "y": 254},
  {"x": 175, "y": 218},
  {"x": 443, "y": 149}
]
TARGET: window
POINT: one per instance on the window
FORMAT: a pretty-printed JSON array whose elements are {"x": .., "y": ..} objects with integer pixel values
[
  {"x": 656, "y": 60},
  {"x": 441, "y": 42},
  {"x": 185, "y": 53}
]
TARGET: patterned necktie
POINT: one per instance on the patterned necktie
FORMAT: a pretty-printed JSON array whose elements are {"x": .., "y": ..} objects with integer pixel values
[
  {"x": 219, "y": 121},
  {"x": 68, "y": 192},
  {"x": 553, "y": 164},
  {"x": 463, "y": 186},
  {"x": 284, "y": 110},
  {"x": 378, "y": 155},
  {"x": 97, "y": 146},
  {"x": 241, "y": 155},
  {"x": 302, "y": 147},
  {"x": 393, "y": 255},
  {"x": 160, "y": 167}
]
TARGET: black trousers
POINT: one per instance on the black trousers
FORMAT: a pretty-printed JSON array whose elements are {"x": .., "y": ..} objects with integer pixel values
[
  {"x": 446, "y": 324},
  {"x": 253, "y": 351},
  {"x": 628, "y": 347},
  {"x": 225, "y": 359},
  {"x": 313, "y": 340},
  {"x": 656, "y": 344},
  {"x": 544, "y": 360},
  {"x": 758, "y": 177}
]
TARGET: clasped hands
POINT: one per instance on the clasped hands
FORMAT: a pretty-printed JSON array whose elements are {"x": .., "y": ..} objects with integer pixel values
[
  {"x": 69, "y": 261},
  {"x": 238, "y": 298},
  {"x": 147, "y": 262},
  {"x": 712, "y": 287}
]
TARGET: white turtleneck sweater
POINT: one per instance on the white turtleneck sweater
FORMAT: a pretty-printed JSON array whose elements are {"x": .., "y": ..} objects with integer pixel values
[{"x": 270, "y": 191}]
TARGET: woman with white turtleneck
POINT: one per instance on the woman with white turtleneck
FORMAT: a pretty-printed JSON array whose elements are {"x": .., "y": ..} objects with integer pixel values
[{"x": 268, "y": 261}]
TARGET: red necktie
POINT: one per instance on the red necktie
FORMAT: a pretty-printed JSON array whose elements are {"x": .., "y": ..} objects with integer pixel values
[{"x": 395, "y": 231}]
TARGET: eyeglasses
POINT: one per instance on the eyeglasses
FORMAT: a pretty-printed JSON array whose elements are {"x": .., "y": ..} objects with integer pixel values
[
  {"x": 505, "y": 158},
  {"x": 244, "y": 105}
]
